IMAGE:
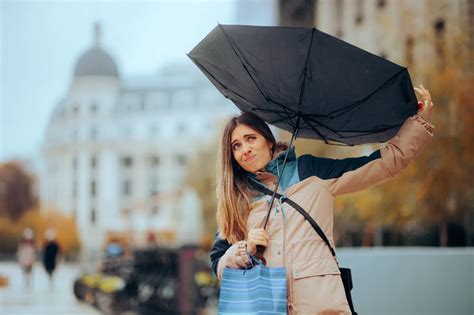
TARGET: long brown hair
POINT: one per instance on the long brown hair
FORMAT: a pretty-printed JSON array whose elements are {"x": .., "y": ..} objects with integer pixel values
[{"x": 233, "y": 191}]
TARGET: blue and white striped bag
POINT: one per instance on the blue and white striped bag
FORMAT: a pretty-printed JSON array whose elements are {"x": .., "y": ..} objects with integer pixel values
[{"x": 260, "y": 290}]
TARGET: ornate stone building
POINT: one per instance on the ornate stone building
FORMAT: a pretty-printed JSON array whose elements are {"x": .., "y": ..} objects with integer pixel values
[{"x": 116, "y": 149}]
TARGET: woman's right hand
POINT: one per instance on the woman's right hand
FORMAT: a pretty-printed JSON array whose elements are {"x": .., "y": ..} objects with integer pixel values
[
  {"x": 427, "y": 105},
  {"x": 256, "y": 237}
]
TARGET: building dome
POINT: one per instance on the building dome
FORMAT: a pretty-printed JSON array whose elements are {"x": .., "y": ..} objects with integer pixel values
[{"x": 96, "y": 61}]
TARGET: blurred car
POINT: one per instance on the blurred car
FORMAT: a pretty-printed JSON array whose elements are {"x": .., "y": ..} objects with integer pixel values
[{"x": 155, "y": 281}]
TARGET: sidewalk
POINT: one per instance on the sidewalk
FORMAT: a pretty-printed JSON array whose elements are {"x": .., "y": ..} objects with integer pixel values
[{"x": 40, "y": 298}]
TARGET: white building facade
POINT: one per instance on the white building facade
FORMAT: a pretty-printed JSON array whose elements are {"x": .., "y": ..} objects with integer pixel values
[{"x": 116, "y": 149}]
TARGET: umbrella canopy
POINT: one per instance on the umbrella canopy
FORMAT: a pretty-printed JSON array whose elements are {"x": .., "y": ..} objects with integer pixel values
[{"x": 306, "y": 80}]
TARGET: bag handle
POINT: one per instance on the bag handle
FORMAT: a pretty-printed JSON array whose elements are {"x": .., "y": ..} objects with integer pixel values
[{"x": 298, "y": 208}]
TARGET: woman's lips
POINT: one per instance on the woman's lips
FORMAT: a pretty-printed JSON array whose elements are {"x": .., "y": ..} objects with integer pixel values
[{"x": 250, "y": 159}]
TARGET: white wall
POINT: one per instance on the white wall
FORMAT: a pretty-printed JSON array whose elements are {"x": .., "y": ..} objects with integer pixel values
[{"x": 413, "y": 280}]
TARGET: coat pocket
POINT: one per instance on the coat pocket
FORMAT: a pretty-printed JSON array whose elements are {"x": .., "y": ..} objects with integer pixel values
[
  {"x": 316, "y": 267},
  {"x": 317, "y": 287}
]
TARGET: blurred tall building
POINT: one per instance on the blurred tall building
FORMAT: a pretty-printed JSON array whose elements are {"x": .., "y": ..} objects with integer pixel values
[
  {"x": 117, "y": 149},
  {"x": 414, "y": 33}
]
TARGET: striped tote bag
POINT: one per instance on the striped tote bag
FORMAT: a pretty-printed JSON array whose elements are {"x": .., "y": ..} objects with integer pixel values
[{"x": 260, "y": 290}]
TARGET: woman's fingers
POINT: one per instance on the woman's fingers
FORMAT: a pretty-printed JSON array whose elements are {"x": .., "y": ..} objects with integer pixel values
[
  {"x": 258, "y": 233},
  {"x": 260, "y": 241},
  {"x": 257, "y": 237},
  {"x": 425, "y": 94}
]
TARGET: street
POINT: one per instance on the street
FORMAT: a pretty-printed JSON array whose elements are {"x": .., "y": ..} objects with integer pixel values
[{"x": 40, "y": 298}]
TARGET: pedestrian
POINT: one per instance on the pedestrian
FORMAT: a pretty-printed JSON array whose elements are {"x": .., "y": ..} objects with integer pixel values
[
  {"x": 51, "y": 250},
  {"x": 26, "y": 255},
  {"x": 250, "y": 156}
]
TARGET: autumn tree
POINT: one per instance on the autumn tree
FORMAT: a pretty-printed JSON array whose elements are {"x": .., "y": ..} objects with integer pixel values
[
  {"x": 16, "y": 190},
  {"x": 200, "y": 175}
]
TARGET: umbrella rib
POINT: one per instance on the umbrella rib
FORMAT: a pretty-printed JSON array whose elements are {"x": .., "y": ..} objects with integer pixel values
[
  {"x": 241, "y": 61},
  {"x": 324, "y": 125},
  {"x": 325, "y": 139},
  {"x": 203, "y": 69},
  {"x": 282, "y": 119},
  {"x": 273, "y": 111},
  {"x": 361, "y": 132},
  {"x": 315, "y": 130},
  {"x": 341, "y": 111},
  {"x": 305, "y": 68},
  {"x": 276, "y": 112},
  {"x": 368, "y": 132},
  {"x": 268, "y": 99},
  {"x": 286, "y": 111}
]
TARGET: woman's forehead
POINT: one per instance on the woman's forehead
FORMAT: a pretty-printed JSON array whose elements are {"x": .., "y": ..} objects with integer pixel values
[{"x": 241, "y": 131}]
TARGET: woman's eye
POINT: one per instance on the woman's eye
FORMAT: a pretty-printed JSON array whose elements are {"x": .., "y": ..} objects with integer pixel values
[
  {"x": 235, "y": 146},
  {"x": 252, "y": 138}
]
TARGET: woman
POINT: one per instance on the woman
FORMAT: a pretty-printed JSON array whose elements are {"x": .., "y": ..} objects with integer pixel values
[
  {"x": 26, "y": 255},
  {"x": 249, "y": 155},
  {"x": 51, "y": 250}
]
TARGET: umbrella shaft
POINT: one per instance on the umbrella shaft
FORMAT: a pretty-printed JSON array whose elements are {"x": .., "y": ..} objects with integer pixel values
[{"x": 293, "y": 137}]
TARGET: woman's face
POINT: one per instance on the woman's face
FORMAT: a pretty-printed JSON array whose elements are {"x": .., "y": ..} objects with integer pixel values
[{"x": 250, "y": 149}]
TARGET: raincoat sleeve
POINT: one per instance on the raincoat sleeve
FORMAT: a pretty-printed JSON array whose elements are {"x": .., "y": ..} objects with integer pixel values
[
  {"x": 225, "y": 255},
  {"x": 355, "y": 174}
]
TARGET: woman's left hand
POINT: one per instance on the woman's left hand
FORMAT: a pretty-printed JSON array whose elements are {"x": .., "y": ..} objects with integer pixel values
[{"x": 427, "y": 105}]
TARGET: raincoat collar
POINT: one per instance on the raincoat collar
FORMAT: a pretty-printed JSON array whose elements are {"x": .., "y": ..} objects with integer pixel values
[{"x": 274, "y": 167}]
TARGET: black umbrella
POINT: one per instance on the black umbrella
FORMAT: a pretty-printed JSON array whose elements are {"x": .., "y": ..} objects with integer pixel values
[{"x": 306, "y": 81}]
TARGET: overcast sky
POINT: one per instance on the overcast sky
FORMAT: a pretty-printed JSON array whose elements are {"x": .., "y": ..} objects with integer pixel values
[{"x": 40, "y": 43}]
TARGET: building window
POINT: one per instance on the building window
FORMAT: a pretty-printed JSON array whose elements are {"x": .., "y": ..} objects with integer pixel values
[
  {"x": 338, "y": 18},
  {"x": 75, "y": 135},
  {"x": 439, "y": 26},
  {"x": 93, "y": 216},
  {"x": 93, "y": 134},
  {"x": 93, "y": 188},
  {"x": 153, "y": 185},
  {"x": 75, "y": 109},
  {"x": 181, "y": 128},
  {"x": 74, "y": 189},
  {"x": 154, "y": 160},
  {"x": 440, "y": 29},
  {"x": 153, "y": 130},
  {"x": 127, "y": 161},
  {"x": 359, "y": 18},
  {"x": 93, "y": 162},
  {"x": 181, "y": 159},
  {"x": 74, "y": 163},
  {"x": 155, "y": 210},
  {"x": 127, "y": 187},
  {"x": 94, "y": 108}
]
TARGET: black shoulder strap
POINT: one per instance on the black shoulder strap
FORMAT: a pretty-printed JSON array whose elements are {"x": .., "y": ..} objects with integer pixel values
[{"x": 298, "y": 208}]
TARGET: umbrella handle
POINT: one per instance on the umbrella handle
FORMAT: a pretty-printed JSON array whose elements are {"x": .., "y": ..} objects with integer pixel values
[{"x": 259, "y": 254}]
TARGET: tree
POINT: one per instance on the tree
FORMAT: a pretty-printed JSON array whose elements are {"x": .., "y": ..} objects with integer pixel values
[
  {"x": 200, "y": 175},
  {"x": 16, "y": 190}
]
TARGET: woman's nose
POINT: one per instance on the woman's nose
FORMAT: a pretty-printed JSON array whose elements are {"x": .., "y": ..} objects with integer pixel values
[{"x": 247, "y": 149}]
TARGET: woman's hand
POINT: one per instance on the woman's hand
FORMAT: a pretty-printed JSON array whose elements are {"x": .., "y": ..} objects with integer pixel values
[
  {"x": 427, "y": 105},
  {"x": 256, "y": 237}
]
